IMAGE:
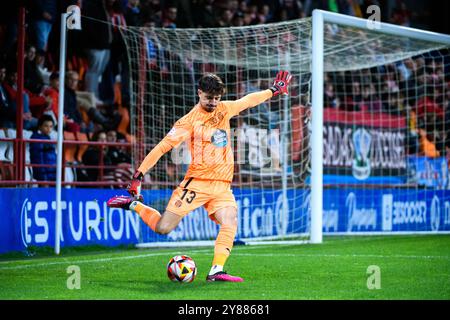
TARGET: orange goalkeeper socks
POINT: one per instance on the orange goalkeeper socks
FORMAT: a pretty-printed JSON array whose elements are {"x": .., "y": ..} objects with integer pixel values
[
  {"x": 224, "y": 244},
  {"x": 149, "y": 215}
]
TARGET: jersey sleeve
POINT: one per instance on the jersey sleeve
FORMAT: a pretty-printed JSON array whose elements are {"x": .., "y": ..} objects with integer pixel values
[
  {"x": 180, "y": 131},
  {"x": 249, "y": 101}
]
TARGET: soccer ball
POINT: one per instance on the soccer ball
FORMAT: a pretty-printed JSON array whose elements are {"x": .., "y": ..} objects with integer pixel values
[{"x": 181, "y": 269}]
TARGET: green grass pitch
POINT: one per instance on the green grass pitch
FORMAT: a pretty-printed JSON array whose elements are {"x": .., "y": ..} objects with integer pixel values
[{"x": 411, "y": 267}]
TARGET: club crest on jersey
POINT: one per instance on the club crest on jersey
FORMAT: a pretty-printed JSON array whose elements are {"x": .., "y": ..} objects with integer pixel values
[
  {"x": 216, "y": 119},
  {"x": 219, "y": 138}
]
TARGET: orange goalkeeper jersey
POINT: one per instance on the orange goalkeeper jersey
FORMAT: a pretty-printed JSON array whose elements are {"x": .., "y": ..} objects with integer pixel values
[{"x": 208, "y": 137}]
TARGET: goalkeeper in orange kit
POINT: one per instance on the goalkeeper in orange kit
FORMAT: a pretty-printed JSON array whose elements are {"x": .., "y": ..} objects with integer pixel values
[{"x": 207, "y": 183}]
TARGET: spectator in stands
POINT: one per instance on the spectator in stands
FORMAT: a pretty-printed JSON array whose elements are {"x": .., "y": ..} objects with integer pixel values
[
  {"x": 371, "y": 101},
  {"x": 44, "y": 13},
  {"x": 75, "y": 100},
  {"x": 412, "y": 132},
  {"x": 31, "y": 102},
  {"x": 42, "y": 69},
  {"x": 426, "y": 103},
  {"x": 331, "y": 100},
  {"x": 133, "y": 13},
  {"x": 92, "y": 157},
  {"x": 225, "y": 19},
  {"x": 116, "y": 154},
  {"x": 238, "y": 20},
  {"x": 119, "y": 158},
  {"x": 43, "y": 153},
  {"x": 401, "y": 15},
  {"x": 97, "y": 37},
  {"x": 264, "y": 14},
  {"x": 291, "y": 9},
  {"x": 446, "y": 105},
  {"x": 205, "y": 15},
  {"x": 73, "y": 120},
  {"x": 393, "y": 103},
  {"x": 352, "y": 102},
  {"x": 350, "y": 7},
  {"x": 7, "y": 116},
  {"x": 170, "y": 17},
  {"x": 406, "y": 69},
  {"x": 33, "y": 80},
  {"x": 117, "y": 67},
  {"x": 53, "y": 93}
]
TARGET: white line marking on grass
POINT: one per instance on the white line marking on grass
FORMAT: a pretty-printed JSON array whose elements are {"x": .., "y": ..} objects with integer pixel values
[
  {"x": 239, "y": 252},
  {"x": 46, "y": 264},
  {"x": 33, "y": 264},
  {"x": 344, "y": 256}
]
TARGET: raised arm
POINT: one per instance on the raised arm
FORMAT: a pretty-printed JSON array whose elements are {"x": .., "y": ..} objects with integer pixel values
[{"x": 279, "y": 86}]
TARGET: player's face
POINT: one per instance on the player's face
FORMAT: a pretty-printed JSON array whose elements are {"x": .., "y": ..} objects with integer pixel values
[{"x": 208, "y": 101}]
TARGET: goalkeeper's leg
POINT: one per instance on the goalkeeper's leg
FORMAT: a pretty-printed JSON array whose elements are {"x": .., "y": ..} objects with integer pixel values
[
  {"x": 227, "y": 218},
  {"x": 161, "y": 224}
]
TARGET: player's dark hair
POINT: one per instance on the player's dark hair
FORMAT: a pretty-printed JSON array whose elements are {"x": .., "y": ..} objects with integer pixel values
[
  {"x": 44, "y": 118},
  {"x": 212, "y": 84}
]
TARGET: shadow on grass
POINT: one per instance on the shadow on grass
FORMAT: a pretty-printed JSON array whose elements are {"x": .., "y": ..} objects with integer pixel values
[{"x": 152, "y": 287}]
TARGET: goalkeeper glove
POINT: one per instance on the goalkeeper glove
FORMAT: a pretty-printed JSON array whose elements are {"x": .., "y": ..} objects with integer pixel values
[
  {"x": 281, "y": 83},
  {"x": 134, "y": 188}
]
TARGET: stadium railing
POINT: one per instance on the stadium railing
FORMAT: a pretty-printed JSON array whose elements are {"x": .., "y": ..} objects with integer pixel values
[{"x": 8, "y": 172}]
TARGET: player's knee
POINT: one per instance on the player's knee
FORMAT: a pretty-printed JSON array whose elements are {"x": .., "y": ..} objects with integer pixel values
[
  {"x": 229, "y": 217},
  {"x": 163, "y": 229}
]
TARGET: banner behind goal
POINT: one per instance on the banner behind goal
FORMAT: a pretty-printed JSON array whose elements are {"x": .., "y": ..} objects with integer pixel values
[{"x": 375, "y": 89}]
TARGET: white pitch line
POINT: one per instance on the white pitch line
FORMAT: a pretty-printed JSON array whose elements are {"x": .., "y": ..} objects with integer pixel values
[
  {"x": 89, "y": 261},
  {"x": 66, "y": 261},
  {"x": 31, "y": 265},
  {"x": 344, "y": 255}
]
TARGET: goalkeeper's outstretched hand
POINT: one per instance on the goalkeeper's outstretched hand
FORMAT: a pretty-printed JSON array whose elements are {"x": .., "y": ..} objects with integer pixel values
[
  {"x": 281, "y": 83},
  {"x": 134, "y": 188}
]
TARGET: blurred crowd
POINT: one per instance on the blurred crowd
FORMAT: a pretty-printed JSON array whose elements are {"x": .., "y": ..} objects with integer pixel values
[
  {"x": 97, "y": 92},
  {"x": 415, "y": 88}
]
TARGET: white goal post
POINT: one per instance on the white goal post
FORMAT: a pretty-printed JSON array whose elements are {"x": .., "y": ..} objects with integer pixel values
[{"x": 319, "y": 19}]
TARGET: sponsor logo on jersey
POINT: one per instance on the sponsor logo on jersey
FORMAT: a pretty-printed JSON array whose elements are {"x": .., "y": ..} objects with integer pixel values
[{"x": 219, "y": 138}]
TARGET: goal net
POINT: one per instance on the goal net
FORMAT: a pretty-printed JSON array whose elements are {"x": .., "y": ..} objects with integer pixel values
[
  {"x": 385, "y": 131},
  {"x": 375, "y": 91}
]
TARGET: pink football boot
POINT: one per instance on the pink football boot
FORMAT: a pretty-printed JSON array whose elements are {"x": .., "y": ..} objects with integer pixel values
[
  {"x": 223, "y": 276},
  {"x": 123, "y": 201}
]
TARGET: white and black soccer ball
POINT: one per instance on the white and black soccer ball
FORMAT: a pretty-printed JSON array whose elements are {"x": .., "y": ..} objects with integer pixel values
[{"x": 181, "y": 269}]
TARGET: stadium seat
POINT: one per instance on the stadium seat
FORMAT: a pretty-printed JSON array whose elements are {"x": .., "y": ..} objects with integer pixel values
[
  {"x": 427, "y": 147},
  {"x": 69, "y": 150},
  {"x": 3, "y": 145},
  {"x": 29, "y": 175},
  {"x": 27, "y": 135},
  {"x": 82, "y": 147},
  {"x": 125, "y": 120},
  {"x": 69, "y": 175},
  {"x": 10, "y": 133},
  {"x": 84, "y": 116},
  {"x": 124, "y": 113}
]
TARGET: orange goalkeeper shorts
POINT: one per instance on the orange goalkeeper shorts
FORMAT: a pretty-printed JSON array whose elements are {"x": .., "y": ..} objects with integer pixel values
[{"x": 193, "y": 193}]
